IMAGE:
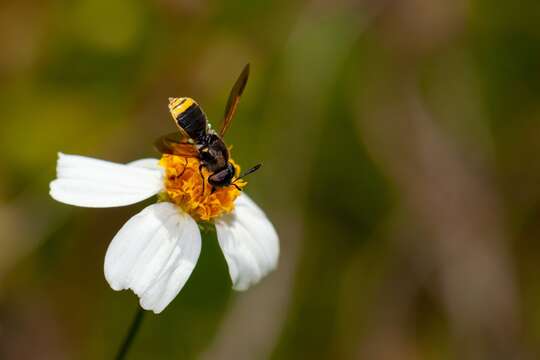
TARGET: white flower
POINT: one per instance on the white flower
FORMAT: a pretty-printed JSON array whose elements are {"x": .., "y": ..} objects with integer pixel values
[{"x": 155, "y": 252}]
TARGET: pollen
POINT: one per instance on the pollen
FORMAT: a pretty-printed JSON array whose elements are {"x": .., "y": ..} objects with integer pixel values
[{"x": 188, "y": 187}]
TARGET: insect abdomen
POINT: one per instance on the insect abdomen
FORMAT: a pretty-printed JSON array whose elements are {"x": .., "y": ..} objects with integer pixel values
[{"x": 188, "y": 116}]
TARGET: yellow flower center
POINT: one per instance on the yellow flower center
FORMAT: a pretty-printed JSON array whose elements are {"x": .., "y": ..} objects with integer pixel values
[{"x": 184, "y": 187}]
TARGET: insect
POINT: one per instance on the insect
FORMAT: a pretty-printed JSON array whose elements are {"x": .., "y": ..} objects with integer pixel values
[{"x": 197, "y": 139}]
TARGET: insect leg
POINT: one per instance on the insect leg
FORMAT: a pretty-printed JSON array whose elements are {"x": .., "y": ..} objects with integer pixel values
[
  {"x": 202, "y": 177},
  {"x": 185, "y": 167}
]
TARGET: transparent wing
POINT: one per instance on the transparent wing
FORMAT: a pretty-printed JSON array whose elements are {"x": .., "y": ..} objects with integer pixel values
[
  {"x": 176, "y": 143},
  {"x": 234, "y": 99}
]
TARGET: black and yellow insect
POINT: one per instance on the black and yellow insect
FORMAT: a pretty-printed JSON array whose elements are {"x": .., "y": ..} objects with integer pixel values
[{"x": 197, "y": 139}]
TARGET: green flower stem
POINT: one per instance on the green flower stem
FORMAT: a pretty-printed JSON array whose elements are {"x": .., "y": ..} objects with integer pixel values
[{"x": 133, "y": 330}]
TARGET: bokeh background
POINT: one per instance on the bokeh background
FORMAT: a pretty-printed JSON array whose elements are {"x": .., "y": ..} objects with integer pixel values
[{"x": 400, "y": 142}]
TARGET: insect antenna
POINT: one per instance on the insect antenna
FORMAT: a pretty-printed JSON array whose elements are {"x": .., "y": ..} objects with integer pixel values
[
  {"x": 246, "y": 173},
  {"x": 250, "y": 171}
]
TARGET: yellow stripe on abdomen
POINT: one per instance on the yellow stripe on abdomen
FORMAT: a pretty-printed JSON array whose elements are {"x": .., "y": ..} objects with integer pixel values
[{"x": 178, "y": 105}]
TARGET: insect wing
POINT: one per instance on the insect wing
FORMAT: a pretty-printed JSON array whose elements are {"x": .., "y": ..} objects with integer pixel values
[
  {"x": 176, "y": 143},
  {"x": 186, "y": 150},
  {"x": 165, "y": 144},
  {"x": 234, "y": 99}
]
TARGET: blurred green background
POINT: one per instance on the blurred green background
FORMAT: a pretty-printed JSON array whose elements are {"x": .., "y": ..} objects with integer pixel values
[{"x": 400, "y": 142}]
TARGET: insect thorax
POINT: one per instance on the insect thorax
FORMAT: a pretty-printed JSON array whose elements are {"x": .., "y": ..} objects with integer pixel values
[{"x": 214, "y": 153}]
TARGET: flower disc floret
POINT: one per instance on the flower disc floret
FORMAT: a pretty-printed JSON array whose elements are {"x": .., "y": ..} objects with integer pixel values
[{"x": 188, "y": 187}]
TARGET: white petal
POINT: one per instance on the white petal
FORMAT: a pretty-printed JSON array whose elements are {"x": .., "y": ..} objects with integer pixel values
[
  {"x": 89, "y": 182},
  {"x": 149, "y": 163},
  {"x": 249, "y": 242},
  {"x": 154, "y": 254}
]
